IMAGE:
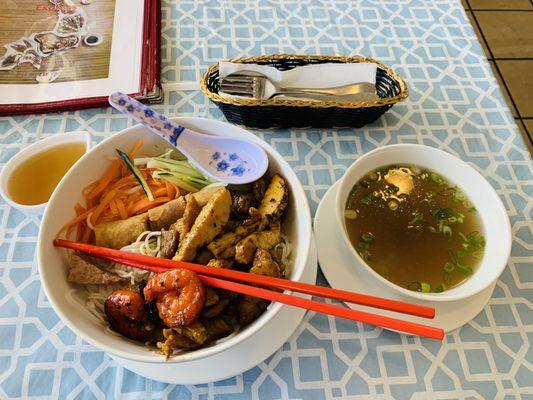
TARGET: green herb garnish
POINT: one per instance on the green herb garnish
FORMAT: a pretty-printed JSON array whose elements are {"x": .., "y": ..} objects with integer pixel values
[
  {"x": 449, "y": 267},
  {"x": 367, "y": 237},
  {"x": 367, "y": 200}
]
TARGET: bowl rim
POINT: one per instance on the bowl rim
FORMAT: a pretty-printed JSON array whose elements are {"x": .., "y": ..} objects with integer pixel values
[
  {"x": 28, "y": 152},
  {"x": 270, "y": 312},
  {"x": 497, "y": 204}
]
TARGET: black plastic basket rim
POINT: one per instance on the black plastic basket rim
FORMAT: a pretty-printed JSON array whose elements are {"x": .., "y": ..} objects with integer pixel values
[{"x": 402, "y": 95}]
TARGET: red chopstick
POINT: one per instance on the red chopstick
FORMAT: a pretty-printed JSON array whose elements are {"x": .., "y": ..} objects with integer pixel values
[
  {"x": 261, "y": 280},
  {"x": 325, "y": 308},
  {"x": 160, "y": 265}
]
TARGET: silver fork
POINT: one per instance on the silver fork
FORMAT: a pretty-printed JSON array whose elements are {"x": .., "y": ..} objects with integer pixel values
[{"x": 258, "y": 86}]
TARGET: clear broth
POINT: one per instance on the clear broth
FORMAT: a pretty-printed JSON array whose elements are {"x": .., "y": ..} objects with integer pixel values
[
  {"x": 34, "y": 180},
  {"x": 414, "y": 228}
]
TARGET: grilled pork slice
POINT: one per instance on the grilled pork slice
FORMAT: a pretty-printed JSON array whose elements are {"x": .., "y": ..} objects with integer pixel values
[{"x": 84, "y": 271}]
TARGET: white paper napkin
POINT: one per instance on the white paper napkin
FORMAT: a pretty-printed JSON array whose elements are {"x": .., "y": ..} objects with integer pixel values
[{"x": 308, "y": 76}]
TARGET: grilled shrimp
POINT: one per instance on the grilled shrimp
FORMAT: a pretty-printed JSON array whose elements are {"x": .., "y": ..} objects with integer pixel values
[
  {"x": 126, "y": 314},
  {"x": 179, "y": 295}
]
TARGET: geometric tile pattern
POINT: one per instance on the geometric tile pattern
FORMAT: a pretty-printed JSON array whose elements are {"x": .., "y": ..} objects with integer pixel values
[{"x": 455, "y": 104}]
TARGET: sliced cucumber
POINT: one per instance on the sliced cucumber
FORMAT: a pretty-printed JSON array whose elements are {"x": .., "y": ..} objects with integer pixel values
[{"x": 136, "y": 173}]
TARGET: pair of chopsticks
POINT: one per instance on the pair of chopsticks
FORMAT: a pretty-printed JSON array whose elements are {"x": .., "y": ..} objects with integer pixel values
[{"x": 228, "y": 280}]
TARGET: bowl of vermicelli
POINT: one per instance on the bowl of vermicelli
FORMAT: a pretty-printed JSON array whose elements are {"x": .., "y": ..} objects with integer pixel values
[{"x": 132, "y": 192}]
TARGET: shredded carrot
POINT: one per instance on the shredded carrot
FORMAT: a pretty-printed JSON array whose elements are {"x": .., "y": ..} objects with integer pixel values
[
  {"x": 170, "y": 189},
  {"x": 79, "y": 209},
  {"x": 103, "y": 204},
  {"x": 135, "y": 148},
  {"x": 86, "y": 235},
  {"x": 87, "y": 189},
  {"x": 115, "y": 196},
  {"x": 161, "y": 192},
  {"x": 145, "y": 205},
  {"x": 79, "y": 228},
  {"x": 100, "y": 187},
  {"x": 121, "y": 209},
  {"x": 113, "y": 207}
]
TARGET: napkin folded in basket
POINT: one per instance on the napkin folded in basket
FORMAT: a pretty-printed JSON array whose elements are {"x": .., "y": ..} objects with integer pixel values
[{"x": 315, "y": 76}]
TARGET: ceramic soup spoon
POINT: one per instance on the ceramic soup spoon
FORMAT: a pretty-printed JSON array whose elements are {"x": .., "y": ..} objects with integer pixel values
[{"x": 221, "y": 158}]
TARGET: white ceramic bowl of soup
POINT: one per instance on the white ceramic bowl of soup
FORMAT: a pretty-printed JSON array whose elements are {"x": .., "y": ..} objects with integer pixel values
[
  {"x": 63, "y": 296},
  {"x": 496, "y": 227},
  {"x": 26, "y": 154}
]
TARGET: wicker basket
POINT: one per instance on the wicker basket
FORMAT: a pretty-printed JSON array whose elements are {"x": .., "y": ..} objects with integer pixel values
[{"x": 282, "y": 113}]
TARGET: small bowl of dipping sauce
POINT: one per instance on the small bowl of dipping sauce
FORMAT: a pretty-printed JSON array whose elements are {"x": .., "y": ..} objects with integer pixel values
[{"x": 29, "y": 178}]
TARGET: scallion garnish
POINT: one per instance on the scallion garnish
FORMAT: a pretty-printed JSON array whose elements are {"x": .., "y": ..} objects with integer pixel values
[
  {"x": 367, "y": 237},
  {"x": 425, "y": 287},
  {"x": 465, "y": 269},
  {"x": 367, "y": 200},
  {"x": 449, "y": 267},
  {"x": 441, "y": 288}
]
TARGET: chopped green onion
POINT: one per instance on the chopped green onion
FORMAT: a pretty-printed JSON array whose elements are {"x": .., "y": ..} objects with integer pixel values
[
  {"x": 367, "y": 200},
  {"x": 373, "y": 176},
  {"x": 365, "y": 254},
  {"x": 447, "y": 191},
  {"x": 363, "y": 246},
  {"x": 350, "y": 214},
  {"x": 393, "y": 205},
  {"x": 441, "y": 288},
  {"x": 367, "y": 237},
  {"x": 453, "y": 257},
  {"x": 465, "y": 269},
  {"x": 458, "y": 196},
  {"x": 447, "y": 231},
  {"x": 423, "y": 287},
  {"x": 417, "y": 217},
  {"x": 443, "y": 213},
  {"x": 437, "y": 178},
  {"x": 449, "y": 267},
  {"x": 477, "y": 254}
]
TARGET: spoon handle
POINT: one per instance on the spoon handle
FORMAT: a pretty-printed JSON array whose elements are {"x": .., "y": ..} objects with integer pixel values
[{"x": 167, "y": 129}]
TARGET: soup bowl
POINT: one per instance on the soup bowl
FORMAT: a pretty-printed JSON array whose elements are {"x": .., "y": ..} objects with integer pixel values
[
  {"x": 69, "y": 302},
  {"x": 497, "y": 230}
]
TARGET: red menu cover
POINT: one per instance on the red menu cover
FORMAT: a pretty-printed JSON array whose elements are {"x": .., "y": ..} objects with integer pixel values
[{"x": 60, "y": 55}]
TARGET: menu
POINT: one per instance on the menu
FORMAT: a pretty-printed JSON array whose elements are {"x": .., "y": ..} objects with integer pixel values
[{"x": 58, "y": 55}]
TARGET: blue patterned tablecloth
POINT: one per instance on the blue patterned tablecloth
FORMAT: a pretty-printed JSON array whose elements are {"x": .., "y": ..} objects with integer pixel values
[{"x": 455, "y": 104}]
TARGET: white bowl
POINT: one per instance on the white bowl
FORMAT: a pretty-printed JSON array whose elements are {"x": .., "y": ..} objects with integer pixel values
[
  {"x": 30, "y": 151},
  {"x": 52, "y": 261},
  {"x": 497, "y": 230}
]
